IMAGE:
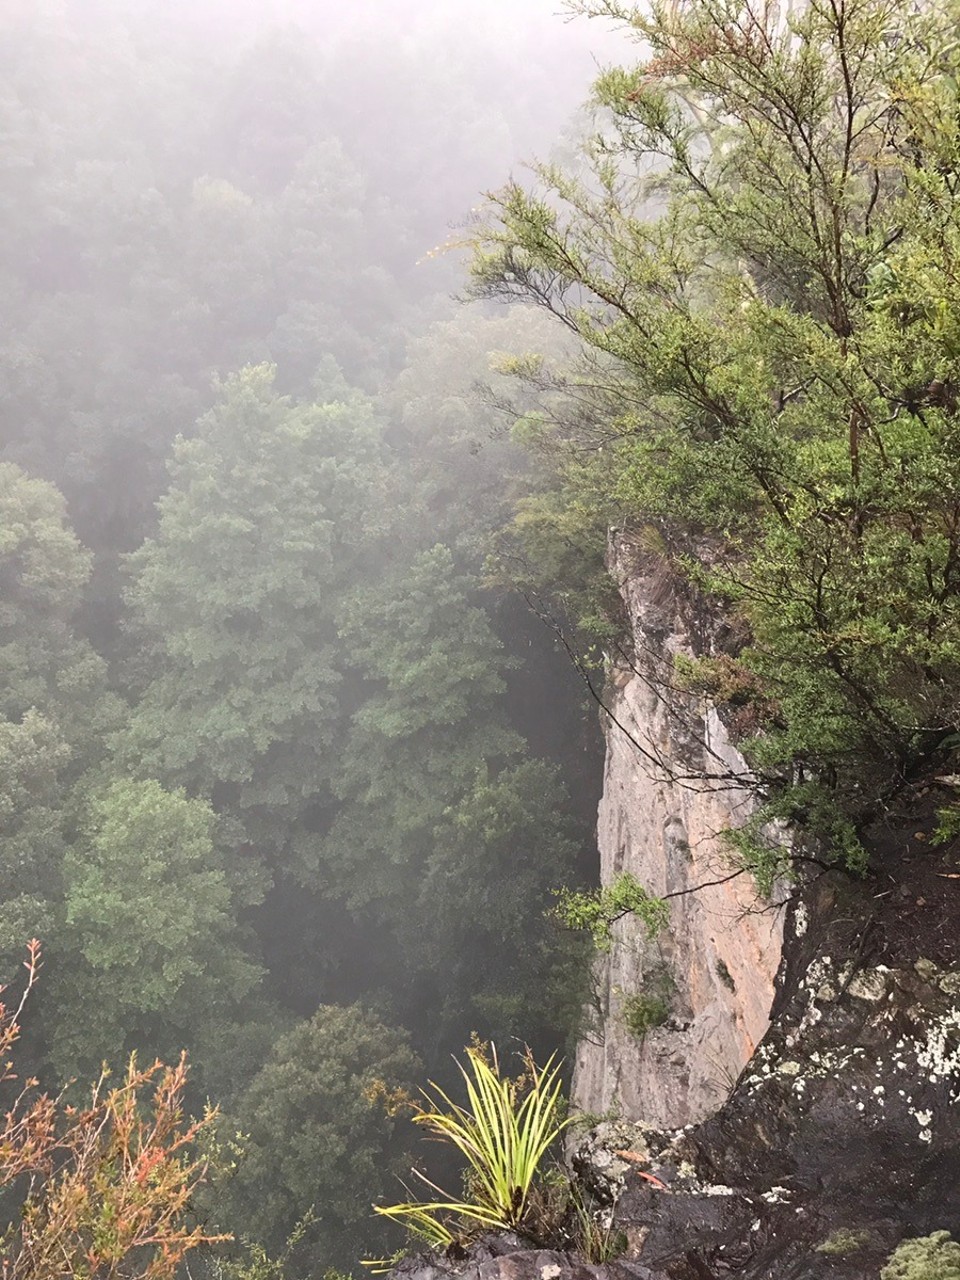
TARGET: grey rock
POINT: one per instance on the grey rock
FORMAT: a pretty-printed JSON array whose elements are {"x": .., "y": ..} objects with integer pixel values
[
  {"x": 501, "y": 1258},
  {"x": 661, "y": 824}
]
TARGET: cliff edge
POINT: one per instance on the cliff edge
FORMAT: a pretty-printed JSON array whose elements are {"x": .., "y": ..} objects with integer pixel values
[
  {"x": 796, "y": 1116},
  {"x": 670, "y": 787}
]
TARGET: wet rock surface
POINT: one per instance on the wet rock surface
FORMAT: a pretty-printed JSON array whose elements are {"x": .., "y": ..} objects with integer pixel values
[
  {"x": 670, "y": 786},
  {"x": 601, "y": 1158},
  {"x": 503, "y": 1257},
  {"x": 842, "y": 1136}
]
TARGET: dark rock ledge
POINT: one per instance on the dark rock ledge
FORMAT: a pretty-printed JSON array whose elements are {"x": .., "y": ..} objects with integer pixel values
[{"x": 505, "y": 1258}]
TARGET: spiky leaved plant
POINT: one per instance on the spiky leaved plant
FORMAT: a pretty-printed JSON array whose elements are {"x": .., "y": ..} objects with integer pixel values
[{"x": 503, "y": 1132}]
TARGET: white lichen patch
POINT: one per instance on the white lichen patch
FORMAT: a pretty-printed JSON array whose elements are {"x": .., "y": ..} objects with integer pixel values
[
  {"x": 832, "y": 1061},
  {"x": 762, "y": 1072},
  {"x": 819, "y": 1065},
  {"x": 869, "y": 984},
  {"x": 776, "y": 1195},
  {"x": 925, "y": 1120},
  {"x": 928, "y": 1055},
  {"x": 801, "y": 920},
  {"x": 939, "y": 1053},
  {"x": 819, "y": 971}
]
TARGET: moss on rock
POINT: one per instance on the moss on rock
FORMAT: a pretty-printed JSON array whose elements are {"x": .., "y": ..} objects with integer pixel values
[{"x": 935, "y": 1257}]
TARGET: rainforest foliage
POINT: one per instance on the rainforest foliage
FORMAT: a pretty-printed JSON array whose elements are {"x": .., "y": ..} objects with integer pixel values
[
  {"x": 759, "y": 252},
  {"x": 274, "y": 787},
  {"x": 279, "y": 780}
]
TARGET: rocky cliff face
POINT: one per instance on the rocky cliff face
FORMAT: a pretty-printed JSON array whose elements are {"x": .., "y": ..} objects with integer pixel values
[
  {"x": 798, "y": 1113},
  {"x": 669, "y": 788},
  {"x": 842, "y": 1136}
]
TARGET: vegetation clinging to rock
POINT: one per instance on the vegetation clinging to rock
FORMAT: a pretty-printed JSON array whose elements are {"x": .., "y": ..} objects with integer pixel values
[
  {"x": 760, "y": 266},
  {"x": 503, "y": 1134},
  {"x": 933, "y": 1257}
]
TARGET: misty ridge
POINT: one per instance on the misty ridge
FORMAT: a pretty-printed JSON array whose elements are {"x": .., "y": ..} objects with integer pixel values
[{"x": 289, "y": 778}]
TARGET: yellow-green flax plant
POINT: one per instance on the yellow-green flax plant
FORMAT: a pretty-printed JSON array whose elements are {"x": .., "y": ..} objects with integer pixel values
[{"x": 503, "y": 1132}]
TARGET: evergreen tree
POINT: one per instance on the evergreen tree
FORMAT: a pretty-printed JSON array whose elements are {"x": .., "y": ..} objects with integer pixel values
[
  {"x": 447, "y": 842},
  {"x": 494, "y": 959},
  {"x": 150, "y": 949},
  {"x": 44, "y": 665},
  {"x": 265, "y": 527},
  {"x": 55, "y": 708},
  {"x": 33, "y": 764},
  {"x": 428, "y": 721},
  {"x": 323, "y": 1135},
  {"x": 760, "y": 268}
]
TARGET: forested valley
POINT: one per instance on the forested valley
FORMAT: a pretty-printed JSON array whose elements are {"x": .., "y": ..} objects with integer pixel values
[
  {"x": 299, "y": 531},
  {"x": 287, "y": 781}
]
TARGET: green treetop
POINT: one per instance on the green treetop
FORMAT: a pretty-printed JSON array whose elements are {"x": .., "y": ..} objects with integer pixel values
[
  {"x": 43, "y": 573},
  {"x": 33, "y": 762},
  {"x": 761, "y": 268},
  {"x": 430, "y": 719},
  {"x": 446, "y": 839},
  {"x": 153, "y": 954},
  {"x": 321, "y": 1133},
  {"x": 260, "y": 534},
  {"x": 496, "y": 963},
  {"x": 55, "y": 709}
]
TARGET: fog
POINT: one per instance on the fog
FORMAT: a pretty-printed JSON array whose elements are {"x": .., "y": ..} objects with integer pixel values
[{"x": 289, "y": 777}]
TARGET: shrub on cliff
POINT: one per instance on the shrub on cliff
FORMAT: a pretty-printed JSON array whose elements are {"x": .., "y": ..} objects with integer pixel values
[
  {"x": 102, "y": 1189},
  {"x": 596, "y": 912},
  {"x": 760, "y": 264},
  {"x": 503, "y": 1135}
]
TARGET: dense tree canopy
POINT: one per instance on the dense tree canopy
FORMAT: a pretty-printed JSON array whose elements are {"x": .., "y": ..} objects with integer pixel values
[
  {"x": 429, "y": 721},
  {"x": 260, "y": 744},
  {"x": 150, "y": 936},
  {"x": 33, "y": 763},
  {"x": 269, "y": 520},
  {"x": 44, "y": 664},
  {"x": 323, "y": 1130}
]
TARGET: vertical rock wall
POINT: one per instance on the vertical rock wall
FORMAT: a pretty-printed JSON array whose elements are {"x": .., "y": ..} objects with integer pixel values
[{"x": 669, "y": 788}]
